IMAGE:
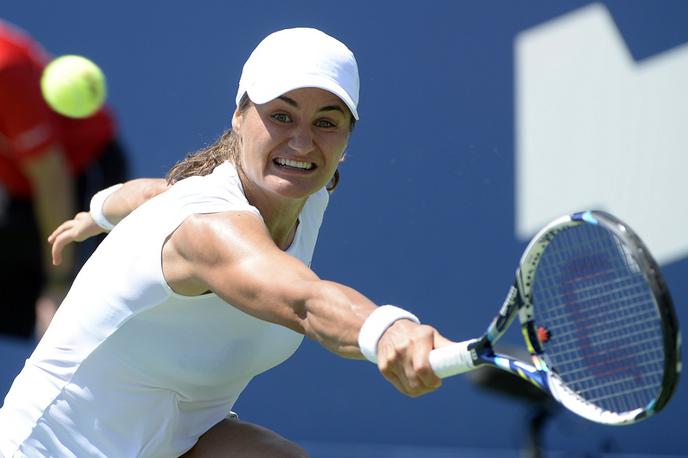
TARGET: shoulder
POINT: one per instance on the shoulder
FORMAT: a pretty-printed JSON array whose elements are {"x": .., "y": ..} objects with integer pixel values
[
  {"x": 317, "y": 203},
  {"x": 220, "y": 235},
  {"x": 220, "y": 191},
  {"x": 314, "y": 210},
  {"x": 18, "y": 71},
  {"x": 203, "y": 243},
  {"x": 17, "y": 48}
]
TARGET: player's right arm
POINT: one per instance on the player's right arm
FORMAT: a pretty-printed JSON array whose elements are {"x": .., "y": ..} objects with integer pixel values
[
  {"x": 233, "y": 255},
  {"x": 116, "y": 207}
]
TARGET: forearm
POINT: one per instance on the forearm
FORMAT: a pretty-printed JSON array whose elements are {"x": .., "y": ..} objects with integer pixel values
[
  {"x": 333, "y": 315},
  {"x": 53, "y": 201},
  {"x": 130, "y": 196},
  {"x": 53, "y": 206}
]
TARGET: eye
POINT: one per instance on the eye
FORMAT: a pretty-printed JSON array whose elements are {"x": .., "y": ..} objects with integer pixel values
[
  {"x": 324, "y": 123},
  {"x": 281, "y": 117}
]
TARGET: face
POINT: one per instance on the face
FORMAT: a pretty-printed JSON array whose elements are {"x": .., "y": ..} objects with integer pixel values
[{"x": 291, "y": 146}]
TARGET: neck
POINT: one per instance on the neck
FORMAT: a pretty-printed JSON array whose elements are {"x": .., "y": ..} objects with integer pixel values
[{"x": 281, "y": 215}]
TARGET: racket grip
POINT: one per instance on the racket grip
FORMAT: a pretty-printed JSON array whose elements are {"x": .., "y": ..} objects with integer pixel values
[{"x": 452, "y": 359}]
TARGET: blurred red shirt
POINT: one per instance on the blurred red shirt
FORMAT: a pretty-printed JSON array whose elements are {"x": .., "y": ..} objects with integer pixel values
[{"x": 28, "y": 126}]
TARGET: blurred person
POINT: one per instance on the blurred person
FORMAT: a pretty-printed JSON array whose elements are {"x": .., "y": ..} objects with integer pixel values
[
  {"x": 49, "y": 164},
  {"x": 204, "y": 282}
]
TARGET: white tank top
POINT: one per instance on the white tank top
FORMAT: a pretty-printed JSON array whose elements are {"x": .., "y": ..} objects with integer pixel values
[{"x": 130, "y": 368}]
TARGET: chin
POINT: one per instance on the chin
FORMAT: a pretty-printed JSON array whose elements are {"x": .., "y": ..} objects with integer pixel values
[{"x": 294, "y": 189}]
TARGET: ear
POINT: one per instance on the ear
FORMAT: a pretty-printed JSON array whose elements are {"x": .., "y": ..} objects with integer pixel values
[
  {"x": 236, "y": 121},
  {"x": 343, "y": 156}
]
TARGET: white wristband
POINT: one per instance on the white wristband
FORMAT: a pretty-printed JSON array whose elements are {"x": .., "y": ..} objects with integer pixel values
[
  {"x": 96, "y": 207},
  {"x": 376, "y": 324}
]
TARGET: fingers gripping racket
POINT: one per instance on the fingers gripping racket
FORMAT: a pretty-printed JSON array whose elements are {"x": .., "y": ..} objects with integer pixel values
[{"x": 597, "y": 319}]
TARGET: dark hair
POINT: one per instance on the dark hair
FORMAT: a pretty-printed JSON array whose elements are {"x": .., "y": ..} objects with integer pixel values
[{"x": 204, "y": 161}]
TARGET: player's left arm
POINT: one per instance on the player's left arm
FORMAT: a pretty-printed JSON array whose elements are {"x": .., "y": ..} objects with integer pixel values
[
  {"x": 115, "y": 207},
  {"x": 130, "y": 196}
]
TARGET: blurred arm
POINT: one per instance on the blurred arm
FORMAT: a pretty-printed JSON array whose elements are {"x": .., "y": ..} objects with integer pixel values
[{"x": 53, "y": 202}]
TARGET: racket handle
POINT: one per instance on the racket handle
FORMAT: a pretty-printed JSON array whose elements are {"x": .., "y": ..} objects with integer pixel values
[{"x": 452, "y": 359}]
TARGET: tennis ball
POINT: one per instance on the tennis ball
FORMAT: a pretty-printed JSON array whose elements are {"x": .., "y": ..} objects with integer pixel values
[{"x": 73, "y": 86}]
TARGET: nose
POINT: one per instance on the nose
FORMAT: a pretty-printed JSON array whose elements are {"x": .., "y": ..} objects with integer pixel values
[{"x": 301, "y": 139}]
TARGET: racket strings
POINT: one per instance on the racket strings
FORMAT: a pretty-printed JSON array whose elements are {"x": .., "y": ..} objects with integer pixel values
[
  {"x": 602, "y": 347},
  {"x": 649, "y": 369},
  {"x": 606, "y": 341},
  {"x": 610, "y": 367},
  {"x": 609, "y": 329}
]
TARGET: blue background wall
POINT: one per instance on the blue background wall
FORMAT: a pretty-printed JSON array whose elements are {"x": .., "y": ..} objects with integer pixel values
[{"x": 424, "y": 216}]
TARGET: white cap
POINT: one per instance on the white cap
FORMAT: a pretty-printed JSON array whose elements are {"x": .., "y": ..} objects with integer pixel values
[{"x": 296, "y": 58}]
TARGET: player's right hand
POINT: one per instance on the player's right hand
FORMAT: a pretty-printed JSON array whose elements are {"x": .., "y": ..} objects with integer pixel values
[
  {"x": 403, "y": 357},
  {"x": 78, "y": 229}
]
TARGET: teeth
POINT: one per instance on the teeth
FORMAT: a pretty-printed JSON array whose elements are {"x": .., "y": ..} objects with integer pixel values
[{"x": 296, "y": 164}]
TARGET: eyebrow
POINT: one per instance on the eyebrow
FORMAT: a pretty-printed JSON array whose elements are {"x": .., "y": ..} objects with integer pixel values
[{"x": 293, "y": 103}]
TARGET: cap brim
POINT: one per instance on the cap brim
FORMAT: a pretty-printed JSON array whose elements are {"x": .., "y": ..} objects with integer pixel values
[{"x": 284, "y": 85}]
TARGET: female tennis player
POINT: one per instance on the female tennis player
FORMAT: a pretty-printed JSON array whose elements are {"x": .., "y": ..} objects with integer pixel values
[{"x": 205, "y": 285}]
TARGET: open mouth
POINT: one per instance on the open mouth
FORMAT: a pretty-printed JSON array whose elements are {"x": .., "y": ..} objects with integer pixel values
[{"x": 293, "y": 165}]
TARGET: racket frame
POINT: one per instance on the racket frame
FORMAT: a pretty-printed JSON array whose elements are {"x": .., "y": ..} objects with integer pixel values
[{"x": 519, "y": 301}]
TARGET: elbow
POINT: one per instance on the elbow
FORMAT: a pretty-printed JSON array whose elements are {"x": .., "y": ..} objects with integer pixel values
[{"x": 300, "y": 318}]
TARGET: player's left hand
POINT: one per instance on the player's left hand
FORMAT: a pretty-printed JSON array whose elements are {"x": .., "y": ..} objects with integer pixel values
[
  {"x": 78, "y": 229},
  {"x": 403, "y": 357}
]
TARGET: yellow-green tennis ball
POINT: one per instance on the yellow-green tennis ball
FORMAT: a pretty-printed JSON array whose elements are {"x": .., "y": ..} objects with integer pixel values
[{"x": 73, "y": 86}]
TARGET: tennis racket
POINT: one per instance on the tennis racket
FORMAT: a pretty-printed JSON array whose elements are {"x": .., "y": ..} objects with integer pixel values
[{"x": 597, "y": 319}]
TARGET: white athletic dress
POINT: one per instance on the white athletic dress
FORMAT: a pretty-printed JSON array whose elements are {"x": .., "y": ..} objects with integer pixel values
[{"x": 128, "y": 368}]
